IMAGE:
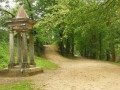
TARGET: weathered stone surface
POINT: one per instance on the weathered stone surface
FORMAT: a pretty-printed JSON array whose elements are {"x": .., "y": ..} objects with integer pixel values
[
  {"x": 23, "y": 67},
  {"x": 21, "y": 13},
  {"x": 20, "y": 72}
]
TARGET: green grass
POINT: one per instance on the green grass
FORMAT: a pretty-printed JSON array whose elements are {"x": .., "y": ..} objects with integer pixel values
[
  {"x": 111, "y": 62},
  {"x": 23, "y": 85},
  {"x": 45, "y": 64},
  {"x": 116, "y": 63}
]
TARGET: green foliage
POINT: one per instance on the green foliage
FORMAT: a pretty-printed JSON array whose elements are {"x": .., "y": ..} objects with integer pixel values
[
  {"x": 23, "y": 85},
  {"x": 4, "y": 49},
  {"x": 89, "y": 28}
]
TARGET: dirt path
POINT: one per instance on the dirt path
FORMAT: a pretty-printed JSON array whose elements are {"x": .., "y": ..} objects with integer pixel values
[
  {"x": 74, "y": 74},
  {"x": 78, "y": 74}
]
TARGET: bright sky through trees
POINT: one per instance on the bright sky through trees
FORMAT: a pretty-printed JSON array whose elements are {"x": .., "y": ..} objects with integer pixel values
[{"x": 11, "y": 4}]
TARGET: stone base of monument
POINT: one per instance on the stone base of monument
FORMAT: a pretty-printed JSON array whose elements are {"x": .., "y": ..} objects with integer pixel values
[{"x": 20, "y": 72}]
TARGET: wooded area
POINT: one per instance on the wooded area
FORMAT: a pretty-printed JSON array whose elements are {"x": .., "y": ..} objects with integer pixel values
[
  {"x": 78, "y": 39},
  {"x": 90, "y": 28}
]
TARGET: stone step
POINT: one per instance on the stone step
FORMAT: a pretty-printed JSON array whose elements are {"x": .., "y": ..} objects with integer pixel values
[{"x": 18, "y": 72}]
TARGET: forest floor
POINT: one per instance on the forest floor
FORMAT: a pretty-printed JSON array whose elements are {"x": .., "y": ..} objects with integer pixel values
[{"x": 74, "y": 74}]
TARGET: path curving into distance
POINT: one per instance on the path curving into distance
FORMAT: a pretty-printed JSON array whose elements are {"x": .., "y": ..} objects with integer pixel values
[
  {"x": 73, "y": 74},
  {"x": 77, "y": 74}
]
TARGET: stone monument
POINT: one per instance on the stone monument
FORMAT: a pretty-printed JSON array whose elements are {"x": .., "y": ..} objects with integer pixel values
[{"x": 21, "y": 25}]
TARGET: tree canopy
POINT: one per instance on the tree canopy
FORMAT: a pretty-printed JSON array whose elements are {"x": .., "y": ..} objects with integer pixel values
[{"x": 89, "y": 28}]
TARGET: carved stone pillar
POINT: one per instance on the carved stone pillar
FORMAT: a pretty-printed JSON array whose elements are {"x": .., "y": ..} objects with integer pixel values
[
  {"x": 19, "y": 49},
  {"x": 24, "y": 50},
  {"x": 11, "y": 40},
  {"x": 32, "y": 62}
]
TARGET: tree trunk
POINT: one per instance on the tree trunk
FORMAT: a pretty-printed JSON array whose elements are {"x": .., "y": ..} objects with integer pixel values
[
  {"x": 72, "y": 51},
  {"x": 38, "y": 47},
  {"x": 100, "y": 44},
  {"x": 94, "y": 47},
  {"x": 61, "y": 44},
  {"x": 61, "y": 47},
  {"x": 113, "y": 52},
  {"x": 107, "y": 55},
  {"x": 67, "y": 46}
]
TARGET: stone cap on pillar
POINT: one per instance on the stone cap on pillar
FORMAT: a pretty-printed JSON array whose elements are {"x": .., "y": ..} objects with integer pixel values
[
  {"x": 21, "y": 13},
  {"x": 21, "y": 21}
]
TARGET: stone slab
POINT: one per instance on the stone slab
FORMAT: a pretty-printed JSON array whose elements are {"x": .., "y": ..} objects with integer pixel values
[{"x": 20, "y": 72}]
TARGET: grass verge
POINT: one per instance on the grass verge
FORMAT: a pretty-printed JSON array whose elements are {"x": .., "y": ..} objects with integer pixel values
[
  {"x": 23, "y": 85},
  {"x": 116, "y": 63},
  {"x": 45, "y": 64}
]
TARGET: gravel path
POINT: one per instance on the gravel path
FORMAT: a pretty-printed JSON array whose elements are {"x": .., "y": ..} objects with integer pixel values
[
  {"x": 78, "y": 74},
  {"x": 74, "y": 74}
]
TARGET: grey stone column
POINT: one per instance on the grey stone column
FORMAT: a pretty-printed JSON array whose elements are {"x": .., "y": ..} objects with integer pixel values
[
  {"x": 19, "y": 49},
  {"x": 32, "y": 62},
  {"x": 11, "y": 40},
  {"x": 24, "y": 50}
]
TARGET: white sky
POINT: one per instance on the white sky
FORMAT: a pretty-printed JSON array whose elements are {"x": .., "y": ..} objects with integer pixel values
[{"x": 11, "y": 4}]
